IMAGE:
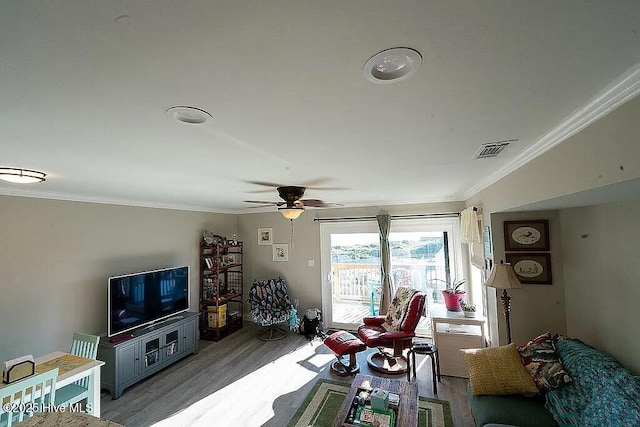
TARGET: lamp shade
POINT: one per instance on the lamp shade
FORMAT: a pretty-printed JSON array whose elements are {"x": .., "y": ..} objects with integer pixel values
[
  {"x": 503, "y": 277},
  {"x": 291, "y": 213}
]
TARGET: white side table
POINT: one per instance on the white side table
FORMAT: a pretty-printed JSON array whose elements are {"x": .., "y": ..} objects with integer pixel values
[{"x": 452, "y": 332}]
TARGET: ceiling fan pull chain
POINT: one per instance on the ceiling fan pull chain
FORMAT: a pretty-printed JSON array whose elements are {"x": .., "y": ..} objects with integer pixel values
[{"x": 291, "y": 232}]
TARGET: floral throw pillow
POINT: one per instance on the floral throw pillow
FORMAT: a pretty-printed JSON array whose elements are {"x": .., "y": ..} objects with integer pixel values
[
  {"x": 397, "y": 311},
  {"x": 541, "y": 360}
]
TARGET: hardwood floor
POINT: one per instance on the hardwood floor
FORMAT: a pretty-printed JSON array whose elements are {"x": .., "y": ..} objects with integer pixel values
[{"x": 241, "y": 381}]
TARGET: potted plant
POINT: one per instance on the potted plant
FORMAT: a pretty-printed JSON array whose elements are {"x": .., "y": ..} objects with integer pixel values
[
  {"x": 452, "y": 295},
  {"x": 469, "y": 310}
]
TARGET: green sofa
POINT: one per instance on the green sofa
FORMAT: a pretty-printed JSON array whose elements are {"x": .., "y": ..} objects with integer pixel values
[
  {"x": 601, "y": 393},
  {"x": 512, "y": 410}
]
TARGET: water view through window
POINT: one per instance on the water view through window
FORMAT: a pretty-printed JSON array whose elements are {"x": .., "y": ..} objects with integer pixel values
[{"x": 418, "y": 259}]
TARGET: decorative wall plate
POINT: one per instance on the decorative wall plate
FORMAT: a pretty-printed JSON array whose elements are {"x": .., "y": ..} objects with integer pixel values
[
  {"x": 531, "y": 268},
  {"x": 528, "y": 268},
  {"x": 531, "y": 235},
  {"x": 207, "y": 236},
  {"x": 526, "y": 235}
]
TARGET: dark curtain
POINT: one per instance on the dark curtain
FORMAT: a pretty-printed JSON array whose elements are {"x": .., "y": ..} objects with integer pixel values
[{"x": 384, "y": 222}]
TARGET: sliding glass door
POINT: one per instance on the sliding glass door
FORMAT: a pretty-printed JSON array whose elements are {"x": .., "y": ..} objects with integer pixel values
[
  {"x": 423, "y": 256},
  {"x": 351, "y": 268}
]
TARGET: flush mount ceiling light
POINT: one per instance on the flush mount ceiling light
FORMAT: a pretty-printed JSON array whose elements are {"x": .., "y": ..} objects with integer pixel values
[
  {"x": 291, "y": 213},
  {"x": 21, "y": 176},
  {"x": 392, "y": 65},
  {"x": 189, "y": 115}
]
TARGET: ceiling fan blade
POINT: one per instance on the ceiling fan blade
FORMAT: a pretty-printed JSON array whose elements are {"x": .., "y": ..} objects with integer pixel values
[
  {"x": 313, "y": 185},
  {"x": 329, "y": 188},
  {"x": 262, "y": 202},
  {"x": 267, "y": 190},
  {"x": 316, "y": 184},
  {"x": 315, "y": 203},
  {"x": 265, "y": 184}
]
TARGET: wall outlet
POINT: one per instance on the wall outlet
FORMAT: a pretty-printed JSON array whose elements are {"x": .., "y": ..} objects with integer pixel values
[{"x": 311, "y": 263}]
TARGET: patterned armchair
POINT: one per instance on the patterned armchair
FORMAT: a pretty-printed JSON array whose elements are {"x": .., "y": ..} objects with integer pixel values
[
  {"x": 393, "y": 331},
  {"x": 270, "y": 306}
]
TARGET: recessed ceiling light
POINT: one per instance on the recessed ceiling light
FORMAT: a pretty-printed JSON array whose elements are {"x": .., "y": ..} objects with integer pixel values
[
  {"x": 21, "y": 176},
  {"x": 392, "y": 65},
  {"x": 189, "y": 115}
]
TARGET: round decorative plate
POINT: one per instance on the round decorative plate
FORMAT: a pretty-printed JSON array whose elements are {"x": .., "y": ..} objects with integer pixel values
[
  {"x": 528, "y": 268},
  {"x": 526, "y": 235},
  {"x": 207, "y": 236}
]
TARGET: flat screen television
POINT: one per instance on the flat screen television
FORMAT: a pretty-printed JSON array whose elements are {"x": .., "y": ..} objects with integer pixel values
[{"x": 140, "y": 299}]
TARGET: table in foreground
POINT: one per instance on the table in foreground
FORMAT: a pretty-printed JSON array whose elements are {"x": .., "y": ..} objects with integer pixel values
[
  {"x": 73, "y": 368},
  {"x": 66, "y": 419},
  {"x": 407, "y": 410}
]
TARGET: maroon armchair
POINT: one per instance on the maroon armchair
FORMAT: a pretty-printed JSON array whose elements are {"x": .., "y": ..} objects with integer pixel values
[{"x": 394, "y": 331}]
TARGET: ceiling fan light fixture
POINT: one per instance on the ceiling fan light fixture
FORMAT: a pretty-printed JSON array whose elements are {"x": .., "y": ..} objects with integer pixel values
[
  {"x": 392, "y": 65},
  {"x": 21, "y": 176},
  {"x": 291, "y": 213}
]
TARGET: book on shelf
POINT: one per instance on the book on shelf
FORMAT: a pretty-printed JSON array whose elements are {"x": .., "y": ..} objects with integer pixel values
[{"x": 217, "y": 316}]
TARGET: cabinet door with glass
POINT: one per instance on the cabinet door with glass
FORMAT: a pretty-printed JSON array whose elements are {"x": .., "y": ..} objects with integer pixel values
[
  {"x": 152, "y": 352},
  {"x": 171, "y": 346}
]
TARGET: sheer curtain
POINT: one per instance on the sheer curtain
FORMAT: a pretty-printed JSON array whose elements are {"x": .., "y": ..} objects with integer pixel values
[
  {"x": 469, "y": 232},
  {"x": 384, "y": 222}
]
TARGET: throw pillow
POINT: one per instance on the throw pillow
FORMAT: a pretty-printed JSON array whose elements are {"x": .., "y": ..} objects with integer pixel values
[
  {"x": 543, "y": 363},
  {"x": 397, "y": 311},
  {"x": 497, "y": 371}
]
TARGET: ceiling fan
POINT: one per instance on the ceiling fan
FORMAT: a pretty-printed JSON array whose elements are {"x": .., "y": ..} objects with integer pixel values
[
  {"x": 315, "y": 184},
  {"x": 293, "y": 204}
]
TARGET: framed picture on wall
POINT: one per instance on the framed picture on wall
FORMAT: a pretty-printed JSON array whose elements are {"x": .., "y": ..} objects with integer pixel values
[
  {"x": 281, "y": 252},
  {"x": 531, "y": 268},
  {"x": 526, "y": 235},
  {"x": 486, "y": 241},
  {"x": 265, "y": 236}
]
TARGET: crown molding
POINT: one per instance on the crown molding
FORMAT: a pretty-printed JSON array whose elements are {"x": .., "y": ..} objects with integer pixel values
[
  {"x": 623, "y": 89},
  {"x": 83, "y": 198},
  {"x": 108, "y": 201}
]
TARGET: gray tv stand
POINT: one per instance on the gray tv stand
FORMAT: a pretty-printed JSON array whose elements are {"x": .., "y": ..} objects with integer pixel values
[{"x": 151, "y": 349}]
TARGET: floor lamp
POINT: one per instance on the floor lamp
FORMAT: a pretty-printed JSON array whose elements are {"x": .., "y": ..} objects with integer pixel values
[{"x": 503, "y": 277}]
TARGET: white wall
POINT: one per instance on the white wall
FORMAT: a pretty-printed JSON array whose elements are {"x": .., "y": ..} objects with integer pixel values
[
  {"x": 303, "y": 281},
  {"x": 56, "y": 257},
  {"x": 605, "y": 153},
  {"x": 602, "y": 277}
]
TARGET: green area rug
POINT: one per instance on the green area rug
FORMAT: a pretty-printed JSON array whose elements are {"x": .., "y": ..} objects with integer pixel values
[{"x": 323, "y": 402}]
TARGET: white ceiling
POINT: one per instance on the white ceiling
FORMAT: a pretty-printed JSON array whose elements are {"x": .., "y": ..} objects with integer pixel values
[{"x": 84, "y": 86}]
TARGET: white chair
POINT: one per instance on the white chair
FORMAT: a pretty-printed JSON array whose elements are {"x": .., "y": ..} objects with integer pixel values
[
  {"x": 86, "y": 346},
  {"x": 37, "y": 390}
]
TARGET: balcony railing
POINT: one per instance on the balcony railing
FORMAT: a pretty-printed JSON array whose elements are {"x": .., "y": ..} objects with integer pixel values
[{"x": 357, "y": 288}]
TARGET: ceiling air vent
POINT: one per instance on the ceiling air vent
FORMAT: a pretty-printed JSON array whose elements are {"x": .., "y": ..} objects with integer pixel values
[{"x": 492, "y": 149}]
